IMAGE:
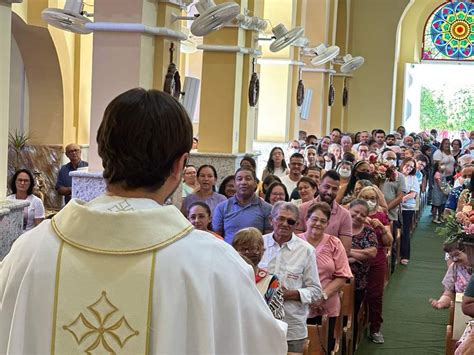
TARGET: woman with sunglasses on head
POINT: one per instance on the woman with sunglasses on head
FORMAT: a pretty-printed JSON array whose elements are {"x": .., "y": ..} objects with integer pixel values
[
  {"x": 333, "y": 266},
  {"x": 22, "y": 185}
]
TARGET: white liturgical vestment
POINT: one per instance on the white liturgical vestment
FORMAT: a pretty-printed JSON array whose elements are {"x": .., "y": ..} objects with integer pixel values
[{"x": 128, "y": 276}]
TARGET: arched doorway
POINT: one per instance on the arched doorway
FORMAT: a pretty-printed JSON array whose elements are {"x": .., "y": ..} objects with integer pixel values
[{"x": 433, "y": 89}]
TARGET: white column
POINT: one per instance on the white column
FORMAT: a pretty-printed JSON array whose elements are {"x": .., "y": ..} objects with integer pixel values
[{"x": 5, "y": 49}]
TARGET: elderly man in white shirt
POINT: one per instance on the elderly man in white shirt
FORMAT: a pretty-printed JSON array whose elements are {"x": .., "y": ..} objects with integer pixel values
[{"x": 292, "y": 259}]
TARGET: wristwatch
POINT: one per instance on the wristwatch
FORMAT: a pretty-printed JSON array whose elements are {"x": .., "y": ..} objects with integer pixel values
[{"x": 325, "y": 296}]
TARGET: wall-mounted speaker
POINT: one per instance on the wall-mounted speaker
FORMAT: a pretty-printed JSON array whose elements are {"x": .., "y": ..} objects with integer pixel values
[
  {"x": 306, "y": 106},
  {"x": 190, "y": 93}
]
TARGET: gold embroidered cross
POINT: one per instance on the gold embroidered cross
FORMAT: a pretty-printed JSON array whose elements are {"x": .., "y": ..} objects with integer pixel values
[{"x": 104, "y": 336}]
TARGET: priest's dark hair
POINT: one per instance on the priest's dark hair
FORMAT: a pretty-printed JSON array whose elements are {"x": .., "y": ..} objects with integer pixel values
[{"x": 142, "y": 134}]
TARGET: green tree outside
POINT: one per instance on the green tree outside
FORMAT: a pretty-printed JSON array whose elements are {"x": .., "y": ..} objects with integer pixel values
[{"x": 447, "y": 114}]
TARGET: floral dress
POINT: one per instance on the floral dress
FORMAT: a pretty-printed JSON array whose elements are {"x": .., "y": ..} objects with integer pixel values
[
  {"x": 456, "y": 278},
  {"x": 365, "y": 239}
]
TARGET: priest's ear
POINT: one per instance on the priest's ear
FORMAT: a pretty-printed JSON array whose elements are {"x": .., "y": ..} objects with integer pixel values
[{"x": 179, "y": 165}]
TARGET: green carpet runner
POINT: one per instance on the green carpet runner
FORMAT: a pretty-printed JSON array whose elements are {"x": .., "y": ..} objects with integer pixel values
[{"x": 411, "y": 326}]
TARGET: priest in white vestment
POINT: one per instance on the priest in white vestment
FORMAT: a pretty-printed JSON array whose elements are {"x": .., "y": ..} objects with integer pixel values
[{"x": 124, "y": 274}]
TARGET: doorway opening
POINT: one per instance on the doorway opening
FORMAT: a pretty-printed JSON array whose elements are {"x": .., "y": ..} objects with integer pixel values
[{"x": 439, "y": 95}]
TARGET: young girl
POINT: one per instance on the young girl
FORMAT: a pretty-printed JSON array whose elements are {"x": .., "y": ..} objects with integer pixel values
[
  {"x": 276, "y": 164},
  {"x": 440, "y": 194}
]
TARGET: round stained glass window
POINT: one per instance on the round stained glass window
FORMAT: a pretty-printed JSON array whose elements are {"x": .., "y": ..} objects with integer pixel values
[{"x": 451, "y": 32}]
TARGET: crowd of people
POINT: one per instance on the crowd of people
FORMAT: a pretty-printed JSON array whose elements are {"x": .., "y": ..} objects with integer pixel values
[
  {"x": 324, "y": 215},
  {"x": 325, "y": 211}
]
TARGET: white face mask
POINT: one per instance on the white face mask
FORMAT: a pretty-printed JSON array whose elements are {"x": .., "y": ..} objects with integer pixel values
[
  {"x": 328, "y": 165},
  {"x": 345, "y": 173},
  {"x": 291, "y": 151},
  {"x": 372, "y": 205},
  {"x": 391, "y": 162}
]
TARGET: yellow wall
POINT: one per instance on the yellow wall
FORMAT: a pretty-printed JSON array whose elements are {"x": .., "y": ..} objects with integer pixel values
[
  {"x": 74, "y": 55},
  {"x": 373, "y": 35},
  {"x": 276, "y": 80}
]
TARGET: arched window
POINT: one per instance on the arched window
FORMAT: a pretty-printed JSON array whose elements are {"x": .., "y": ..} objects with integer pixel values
[{"x": 449, "y": 33}]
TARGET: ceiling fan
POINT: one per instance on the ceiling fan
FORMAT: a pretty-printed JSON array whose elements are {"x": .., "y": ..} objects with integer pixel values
[
  {"x": 322, "y": 54},
  {"x": 213, "y": 17},
  {"x": 72, "y": 18},
  {"x": 349, "y": 63},
  {"x": 283, "y": 37}
]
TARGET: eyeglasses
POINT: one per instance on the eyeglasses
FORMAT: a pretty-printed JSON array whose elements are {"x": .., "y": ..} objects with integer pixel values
[{"x": 290, "y": 221}]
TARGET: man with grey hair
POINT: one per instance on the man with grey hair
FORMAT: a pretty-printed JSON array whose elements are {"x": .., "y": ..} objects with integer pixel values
[{"x": 293, "y": 260}]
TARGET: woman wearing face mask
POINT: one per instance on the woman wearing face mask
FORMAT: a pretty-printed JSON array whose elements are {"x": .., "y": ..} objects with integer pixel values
[
  {"x": 409, "y": 206},
  {"x": 456, "y": 278},
  {"x": 344, "y": 169},
  {"x": 360, "y": 171},
  {"x": 378, "y": 220}
]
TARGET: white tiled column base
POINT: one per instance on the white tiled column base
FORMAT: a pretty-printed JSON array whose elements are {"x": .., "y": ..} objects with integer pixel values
[
  {"x": 225, "y": 164},
  {"x": 11, "y": 223}
]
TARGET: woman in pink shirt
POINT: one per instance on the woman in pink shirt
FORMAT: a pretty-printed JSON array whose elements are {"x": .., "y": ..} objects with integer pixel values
[{"x": 333, "y": 266}]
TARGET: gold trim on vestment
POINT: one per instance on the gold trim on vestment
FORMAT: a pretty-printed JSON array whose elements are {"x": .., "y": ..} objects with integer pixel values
[
  {"x": 150, "y": 301},
  {"x": 56, "y": 290},
  {"x": 121, "y": 252}
]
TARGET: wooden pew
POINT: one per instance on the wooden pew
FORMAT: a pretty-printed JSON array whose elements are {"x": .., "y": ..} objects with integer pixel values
[
  {"x": 338, "y": 330},
  {"x": 449, "y": 343},
  {"x": 347, "y": 314},
  {"x": 318, "y": 337}
]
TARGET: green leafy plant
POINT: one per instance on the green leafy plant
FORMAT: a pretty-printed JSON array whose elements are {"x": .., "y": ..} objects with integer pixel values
[{"x": 17, "y": 141}]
